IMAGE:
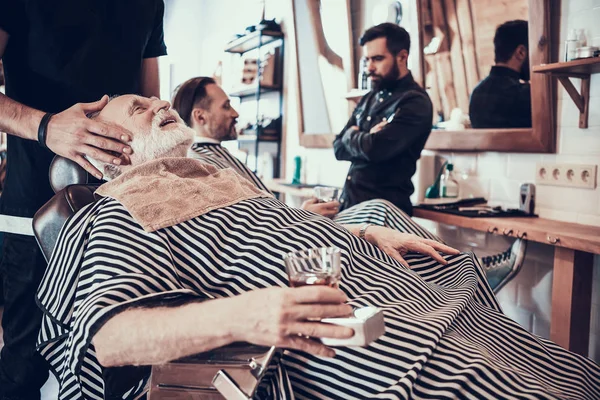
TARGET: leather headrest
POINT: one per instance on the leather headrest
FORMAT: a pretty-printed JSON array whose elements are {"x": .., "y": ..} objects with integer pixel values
[{"x": 64, "y": 172}]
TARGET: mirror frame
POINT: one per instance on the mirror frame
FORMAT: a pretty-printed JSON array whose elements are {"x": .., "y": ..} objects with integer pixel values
[
  {"x": 321, "y": 141},
  {"x": 544, "y": 25},
  {"x": 541, "y": 137}
]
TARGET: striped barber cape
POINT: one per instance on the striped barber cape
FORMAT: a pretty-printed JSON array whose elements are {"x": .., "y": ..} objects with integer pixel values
[
  {"x": 218, "y": 156},
  {"x": 446, "y": 337}
]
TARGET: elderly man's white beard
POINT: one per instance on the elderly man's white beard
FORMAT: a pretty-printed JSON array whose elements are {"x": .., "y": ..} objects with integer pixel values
[{"x": 159, "y": 143}]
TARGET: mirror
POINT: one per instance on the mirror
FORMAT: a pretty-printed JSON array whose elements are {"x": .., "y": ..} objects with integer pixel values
[
  {"x": 325, "y": 68},
  {"x": 458, "y": 53}
]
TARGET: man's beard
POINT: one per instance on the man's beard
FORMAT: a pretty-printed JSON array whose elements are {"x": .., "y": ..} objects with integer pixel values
[
  {"x": 387, "y": 80},
  {"x": 226, "y": 132},
  {"x": 161, "y": 143}
]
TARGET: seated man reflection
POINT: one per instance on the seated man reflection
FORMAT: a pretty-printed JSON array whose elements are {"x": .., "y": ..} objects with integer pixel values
[
  {"x": 124, "y": 285},
  {"x": 503, "y": 99}
]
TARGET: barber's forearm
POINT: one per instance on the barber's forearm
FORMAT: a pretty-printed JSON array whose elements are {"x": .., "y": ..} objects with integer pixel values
[
  {"x": 18, "y": 119},
  {"x": 158, "y": 335},
  {"x": 150, "y": 81}
]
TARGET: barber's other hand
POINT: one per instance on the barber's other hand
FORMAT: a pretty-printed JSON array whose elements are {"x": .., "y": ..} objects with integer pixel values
[
  {"x": 73, "y": 135},
  {"x": 378, "y": 127},
  {"x": 329, "y": 209},
  {"x": 280, "y": 317},
  {"x": 396, "y": 244}
]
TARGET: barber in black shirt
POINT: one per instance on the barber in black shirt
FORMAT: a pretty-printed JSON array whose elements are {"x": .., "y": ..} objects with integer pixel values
[
  {"x": 60, "y": 56},
  {"x": 501, "y": 100},
  {"x": 389, "y": 127}
]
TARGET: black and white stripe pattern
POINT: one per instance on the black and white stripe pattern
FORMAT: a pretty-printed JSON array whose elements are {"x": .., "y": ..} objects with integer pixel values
[
  {"x": 446, "y": 337},
  {"x": 377, "y": 212},
  {"x": 218, "y": 156}
]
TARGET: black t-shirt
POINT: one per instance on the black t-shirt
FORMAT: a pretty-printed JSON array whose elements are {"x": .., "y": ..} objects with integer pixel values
[{"x": 62, "y": 52}]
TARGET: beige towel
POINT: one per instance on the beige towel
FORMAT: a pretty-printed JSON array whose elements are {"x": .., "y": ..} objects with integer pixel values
[{"x": 168, "y": 191}]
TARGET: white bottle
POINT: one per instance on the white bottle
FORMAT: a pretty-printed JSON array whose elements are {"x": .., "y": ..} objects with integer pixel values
[
  {"x": 581, "y": 39},
  {"x": 448, "y": 185},
  {"x": 571, "y": 45}
]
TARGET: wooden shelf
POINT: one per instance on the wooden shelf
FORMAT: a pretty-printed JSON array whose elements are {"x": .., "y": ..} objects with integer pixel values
[
  {"x": 574, "y": 69},
  {"x": 574, "y": 249},
  {"x": 252, "y": 41},
  {"x": 251, "y": 90},
  {"x": 557, "y": 233}
]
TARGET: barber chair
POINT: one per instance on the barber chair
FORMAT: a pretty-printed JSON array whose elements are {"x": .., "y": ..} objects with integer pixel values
[{"x": 232, "y": 372}]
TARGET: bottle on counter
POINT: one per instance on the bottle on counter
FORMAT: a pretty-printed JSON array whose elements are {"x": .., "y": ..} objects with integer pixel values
[
  {"x": 297, "y": 170},
  {"x": 448, "y": 185}
]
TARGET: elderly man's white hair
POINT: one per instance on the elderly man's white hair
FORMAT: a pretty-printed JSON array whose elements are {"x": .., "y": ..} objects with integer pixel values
[{"x": 150, "y": 145}]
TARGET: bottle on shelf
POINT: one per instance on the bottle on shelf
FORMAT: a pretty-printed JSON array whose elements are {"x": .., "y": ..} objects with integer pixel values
[
  {"x": 571, "y": 45},
  {"x": 448, "y": 185},
  {"x": 363, "y": 76}
]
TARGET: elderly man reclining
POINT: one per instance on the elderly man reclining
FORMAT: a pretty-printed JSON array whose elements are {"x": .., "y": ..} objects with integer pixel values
[
  {"x": 205, "y": 107},
  {"x": 123, "y": 286}
]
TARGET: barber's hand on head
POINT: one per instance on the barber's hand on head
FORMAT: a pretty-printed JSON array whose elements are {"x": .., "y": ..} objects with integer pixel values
[
  {"x": 285, "y": 317},
  {"x": 329, "y": 209},
  {"x": 378, "y": 127},
  {"x": 396, "y": 244},
  {"x": 73, "y": 135}
]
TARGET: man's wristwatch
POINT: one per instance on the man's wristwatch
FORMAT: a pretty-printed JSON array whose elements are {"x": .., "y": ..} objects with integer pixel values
[{"x": 363, "y": 230}]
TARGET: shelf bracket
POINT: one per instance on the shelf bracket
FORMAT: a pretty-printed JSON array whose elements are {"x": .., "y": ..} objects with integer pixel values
[{"x": 582, "y": 101}]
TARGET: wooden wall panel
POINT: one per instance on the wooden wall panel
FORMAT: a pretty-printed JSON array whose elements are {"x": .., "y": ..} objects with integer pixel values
[{"x": 487, "y": 15}]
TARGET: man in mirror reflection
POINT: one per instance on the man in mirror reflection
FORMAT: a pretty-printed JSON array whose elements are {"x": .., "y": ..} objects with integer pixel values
[
  {"x": 503, "y": 99},
  {"x": 389, "y": 127}
]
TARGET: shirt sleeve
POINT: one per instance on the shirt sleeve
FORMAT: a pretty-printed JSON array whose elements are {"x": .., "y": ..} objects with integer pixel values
[
  {"x": 340, "y": 151},
  {"x": 412, "y": 122},
  {"x": 12, "y": 16},
  {"x": 156, "y": 43}
]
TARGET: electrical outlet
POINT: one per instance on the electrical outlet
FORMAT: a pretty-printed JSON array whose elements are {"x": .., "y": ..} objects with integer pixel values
[{"x": 570, "y": 175}]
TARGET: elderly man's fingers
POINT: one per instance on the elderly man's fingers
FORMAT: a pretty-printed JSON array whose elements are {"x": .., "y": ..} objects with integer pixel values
[
  {"x": 85, "y": 164},
  {"x": 318, "y": 294},
  {"x": 315, "y": 347},
  {"x": 430, "y": 251},
  {"x": 442, "y": 247},
  {"x": 109, "y": 130},
  {"x": 320, "y": 330},
  {"x": 94, "y": 106},
  {"x": 304, "y": 312},
  {"x": 398, "y": 257}
]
